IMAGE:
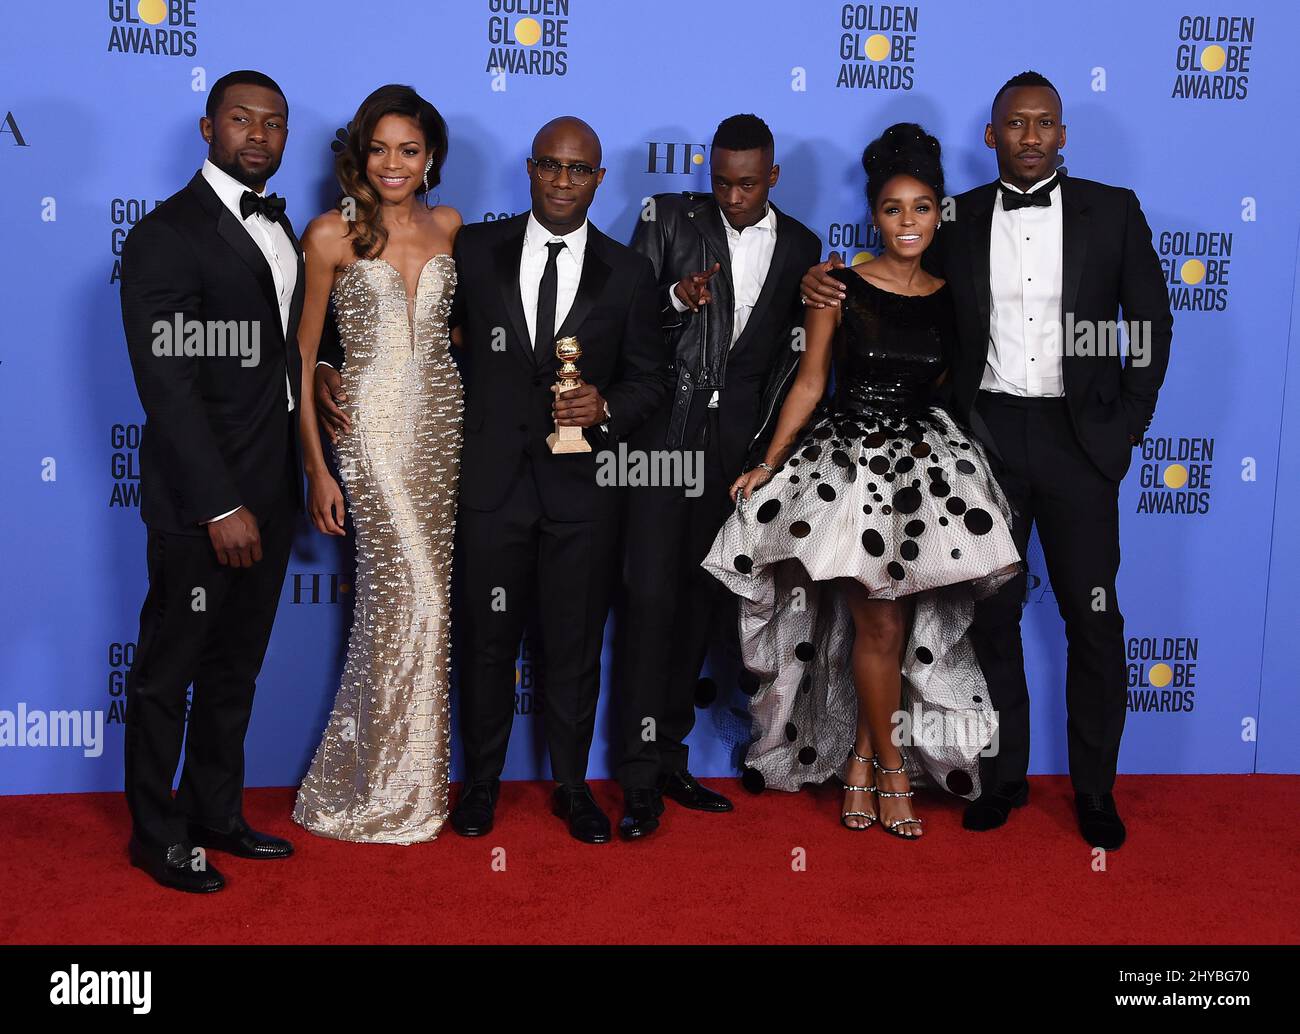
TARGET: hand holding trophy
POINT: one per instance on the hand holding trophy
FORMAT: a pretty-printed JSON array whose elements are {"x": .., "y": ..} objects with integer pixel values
[{"x": 567, "y": 438}]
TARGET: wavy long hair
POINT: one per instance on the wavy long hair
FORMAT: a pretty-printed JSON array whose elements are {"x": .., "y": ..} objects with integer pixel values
[{"x": 368, "y": 233}]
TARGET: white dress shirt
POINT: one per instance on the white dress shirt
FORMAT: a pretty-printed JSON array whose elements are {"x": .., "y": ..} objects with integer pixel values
[
  {"x": 274, "y": 243},
  {"x": 271, "y": 241},
  {"x": 1024, "y": 355},
  {"x": 750, "y": 251},
  {"x": 568, "y": 270}
]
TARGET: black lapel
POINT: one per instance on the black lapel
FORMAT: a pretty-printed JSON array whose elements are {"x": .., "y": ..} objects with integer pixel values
[
  {"x": 506, "y": 254},
  {"x": 708, "y": 219},
  {"x": 981, "y": 235},
  {"x": 299, "y": 284},
  {"x": 595, "y": 272},
  {"x": 1074, "y": 253},
  {"x": 232, "y": 231},
  {"x": 775, "y": 271},
  {"x": 1074, "y": 246}
]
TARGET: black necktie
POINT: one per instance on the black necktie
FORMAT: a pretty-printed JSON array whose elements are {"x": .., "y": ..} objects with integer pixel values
[
  {"x": 544, "y": 335},
  {"x": 271, "y": 207},
  {"x": 1039, "y": 197}
]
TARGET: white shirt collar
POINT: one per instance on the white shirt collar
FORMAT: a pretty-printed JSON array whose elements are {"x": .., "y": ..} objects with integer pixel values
[
  {"x": 1046, "y": 179},
  {"x": 768, "y": 222},
  {"x": 536, "y": 237},
  {"x": 229, "y": 189}
]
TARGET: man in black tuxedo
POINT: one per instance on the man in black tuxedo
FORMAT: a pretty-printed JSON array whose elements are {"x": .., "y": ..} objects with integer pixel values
[
  {"x": 1040, "y": 265},
  {"x": 537, "y": 529},
  {"x": 727, "y": 268},
  {"x": 212, "y": 286}
]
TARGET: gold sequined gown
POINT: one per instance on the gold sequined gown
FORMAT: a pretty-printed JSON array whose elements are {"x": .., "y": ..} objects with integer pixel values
[{"x": 380, "y": 773}]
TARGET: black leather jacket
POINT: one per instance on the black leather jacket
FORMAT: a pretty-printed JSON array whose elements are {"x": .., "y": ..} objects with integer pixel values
[{"x": 684, "y": 233}]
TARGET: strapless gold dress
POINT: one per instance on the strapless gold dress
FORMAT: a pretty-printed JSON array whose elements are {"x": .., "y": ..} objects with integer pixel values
[{"x": 380, "y": 773}]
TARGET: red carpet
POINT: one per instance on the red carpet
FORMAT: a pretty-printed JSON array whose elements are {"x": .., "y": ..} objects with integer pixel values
[{"x": 1209, "y": 859}]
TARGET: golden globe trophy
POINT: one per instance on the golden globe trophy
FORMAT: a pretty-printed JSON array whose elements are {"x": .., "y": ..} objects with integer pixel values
[{"x": 568, "y": 438}]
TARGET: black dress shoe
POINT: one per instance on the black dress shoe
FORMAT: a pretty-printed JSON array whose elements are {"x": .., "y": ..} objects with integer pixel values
[
  {"x": 243, "y": 841},
  {"x": 992, "y": 808},
  {"x": 476, "y": 809},
  {"x": 682, "y": 787},
  {"x": 1099, "y": 822},
  {"x": 641, "y": 810},
  {"x": 586, "y": 821},
  {"x": 174, "y": 867}
]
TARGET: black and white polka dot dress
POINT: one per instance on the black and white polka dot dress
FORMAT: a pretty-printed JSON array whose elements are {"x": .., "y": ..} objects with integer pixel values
[{"x": 883, "y": 488}]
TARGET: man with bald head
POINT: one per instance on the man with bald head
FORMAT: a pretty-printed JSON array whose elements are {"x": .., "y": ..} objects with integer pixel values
[{"x": 535, "y": 529}]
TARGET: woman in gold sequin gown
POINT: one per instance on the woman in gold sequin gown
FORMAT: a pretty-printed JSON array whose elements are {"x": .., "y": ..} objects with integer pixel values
[{"x": 380, "y": 773}]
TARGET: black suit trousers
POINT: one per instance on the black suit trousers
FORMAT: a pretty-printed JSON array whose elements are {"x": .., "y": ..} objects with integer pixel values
[
  {"x": 671, "y": 606},
  {"x": 513, "y": 560},
  {"x": 1051, "y": 482},
  {"x": 215, "y": 642}
]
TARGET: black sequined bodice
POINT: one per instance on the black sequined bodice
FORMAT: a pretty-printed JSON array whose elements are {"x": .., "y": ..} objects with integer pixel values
[{"x": 890, "y": 348}]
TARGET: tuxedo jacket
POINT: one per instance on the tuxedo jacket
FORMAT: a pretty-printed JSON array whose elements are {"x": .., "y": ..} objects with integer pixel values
[
  {"x": 1108, "y": 265},
  {"x": 687, "y": 236},
  {"x": 508, "y": 397},
  {"x": 218, "y": 434}
]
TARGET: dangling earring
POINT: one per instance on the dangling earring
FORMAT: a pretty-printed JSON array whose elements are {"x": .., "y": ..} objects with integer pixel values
[{"x": 427, "y": 166}]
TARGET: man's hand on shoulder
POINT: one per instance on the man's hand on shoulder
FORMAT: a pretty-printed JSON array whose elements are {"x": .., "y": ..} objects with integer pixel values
[{"x": 818, "y": 289}]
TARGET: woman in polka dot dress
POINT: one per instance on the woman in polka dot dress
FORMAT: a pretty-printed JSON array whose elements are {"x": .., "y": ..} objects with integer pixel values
[{"x": 860, "y": 543}]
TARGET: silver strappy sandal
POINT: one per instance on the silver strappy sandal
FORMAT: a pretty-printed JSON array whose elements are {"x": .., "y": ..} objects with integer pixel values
[
  {"x": 846, "y": 815},
  {"x": 892, "y": 828}
]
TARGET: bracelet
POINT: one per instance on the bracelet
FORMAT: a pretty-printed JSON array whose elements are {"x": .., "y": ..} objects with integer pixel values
[{"x": 766, "y": 466}]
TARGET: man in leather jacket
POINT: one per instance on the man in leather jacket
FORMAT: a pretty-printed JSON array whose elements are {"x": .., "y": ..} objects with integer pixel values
[{"x": 728, "y": 266}]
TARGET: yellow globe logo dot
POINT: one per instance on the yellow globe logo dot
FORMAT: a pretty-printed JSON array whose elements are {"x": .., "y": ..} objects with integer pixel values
[
  {"x": 1192, "y": 271},
  {"x": 1160, "y": 675},
  {"x": 697, "y": 159},
  {"x": 1212, "y": 58},
  {"x": 152, "y": 11},
  {"x": 1175, "y": 475},
  {"x": 528, "y": 31},
  {"x": 876, "y": 47},
  {"x": 861, "y": 257}
]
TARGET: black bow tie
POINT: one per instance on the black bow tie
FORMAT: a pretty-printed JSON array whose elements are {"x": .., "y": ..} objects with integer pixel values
[
  {"x": 1039, "y": 197},
  {"x": 271, "y": 207}
]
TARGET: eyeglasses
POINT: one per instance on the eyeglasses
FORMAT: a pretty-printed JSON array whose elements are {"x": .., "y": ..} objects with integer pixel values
[{"x": 549, "y": 170}]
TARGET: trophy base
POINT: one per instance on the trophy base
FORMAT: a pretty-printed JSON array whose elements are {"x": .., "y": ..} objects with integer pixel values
[{"x": 562, "y": 441}]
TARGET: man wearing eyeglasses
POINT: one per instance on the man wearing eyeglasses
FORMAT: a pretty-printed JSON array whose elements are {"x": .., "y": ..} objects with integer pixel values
[{"x": 535, "y": 529}]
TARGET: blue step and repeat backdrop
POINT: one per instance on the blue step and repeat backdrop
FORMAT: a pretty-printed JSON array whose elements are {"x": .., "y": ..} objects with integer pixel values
[{"x": 1189, "y": 104}]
